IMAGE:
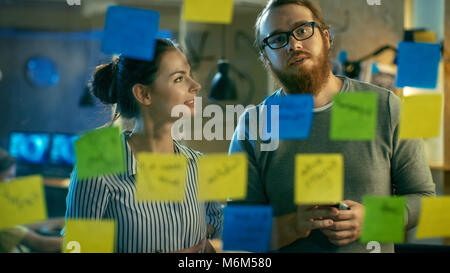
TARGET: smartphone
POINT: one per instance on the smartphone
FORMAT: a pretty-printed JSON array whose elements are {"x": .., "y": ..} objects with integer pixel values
[{"x": 341, "y": 206}]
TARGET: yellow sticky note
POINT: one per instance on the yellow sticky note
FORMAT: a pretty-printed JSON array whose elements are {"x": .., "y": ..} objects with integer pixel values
[
  {"x": 434, "y": 220},
  {"x": 425, "y": 37},
  {"x": 318, "y": 178},
  {"x": 22, "y": 201},
  {"x": 208, "y": 11},
  {"x": 89, "y": 236},
  {"x": 420, "y": 116},
  {"x": 222, "y": 176},
  {"x": 161, "y": 177}
]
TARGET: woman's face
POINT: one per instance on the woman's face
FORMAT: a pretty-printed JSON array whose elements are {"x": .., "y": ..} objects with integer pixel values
[{"x": 173, "y": 85}]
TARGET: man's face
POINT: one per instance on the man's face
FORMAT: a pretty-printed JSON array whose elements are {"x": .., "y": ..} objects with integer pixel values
[{"x": 308, "y": 75}]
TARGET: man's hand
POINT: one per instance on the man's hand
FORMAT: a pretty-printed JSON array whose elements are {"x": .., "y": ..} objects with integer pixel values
[
  {"x": 314, "y": 217},
  {"x": 347, "y": 224},
  {"x": 291, "y": 227}
]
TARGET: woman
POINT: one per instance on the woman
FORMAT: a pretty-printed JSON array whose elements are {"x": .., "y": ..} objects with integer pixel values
[{"x": 147, "y": 91}]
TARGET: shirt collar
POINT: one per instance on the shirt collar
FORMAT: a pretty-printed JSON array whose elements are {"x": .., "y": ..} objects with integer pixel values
[
  {"x": 281, "y": 92},
  {"x": 131, "y": 161}
]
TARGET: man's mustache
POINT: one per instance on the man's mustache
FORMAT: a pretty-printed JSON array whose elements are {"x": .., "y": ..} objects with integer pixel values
[{"x": 296, "y": 54}]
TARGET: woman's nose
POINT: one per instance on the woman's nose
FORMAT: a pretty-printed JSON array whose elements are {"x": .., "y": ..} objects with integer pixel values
[{"x": 195, "y": 86}]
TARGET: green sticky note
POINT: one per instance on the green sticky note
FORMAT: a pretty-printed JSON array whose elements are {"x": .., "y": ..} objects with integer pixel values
[
  {"x": 100, "y": 152},
  {"x": 384, "y": 219},
  {"x": 354, "y": 116}
]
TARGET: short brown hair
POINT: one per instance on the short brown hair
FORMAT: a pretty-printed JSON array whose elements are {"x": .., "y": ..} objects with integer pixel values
[{"x": 315, "y": 10}]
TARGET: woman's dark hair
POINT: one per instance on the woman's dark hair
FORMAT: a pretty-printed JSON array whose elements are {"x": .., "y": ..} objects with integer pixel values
[
  {"x": 112, "y": 83},
  {"x": 6, "y": 160}
]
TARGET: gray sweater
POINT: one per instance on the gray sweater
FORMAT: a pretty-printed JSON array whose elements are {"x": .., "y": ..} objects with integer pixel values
[{"x": 370, "y": 167}]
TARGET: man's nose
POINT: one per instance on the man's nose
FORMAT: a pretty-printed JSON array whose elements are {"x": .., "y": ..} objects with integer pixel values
[{"x": 294, "y": 44}]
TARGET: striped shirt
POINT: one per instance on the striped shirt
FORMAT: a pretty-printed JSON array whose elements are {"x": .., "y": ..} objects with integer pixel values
[{"x": 145, "y": 226}]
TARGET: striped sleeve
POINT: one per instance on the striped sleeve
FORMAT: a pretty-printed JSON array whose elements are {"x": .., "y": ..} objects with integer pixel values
[
  {"x": 87, "y": 198},
  {"x": 214, "y": 217}
]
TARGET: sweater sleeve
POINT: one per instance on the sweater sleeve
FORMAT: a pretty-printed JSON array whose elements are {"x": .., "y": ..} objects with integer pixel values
[{"x": 411, "y": 175}]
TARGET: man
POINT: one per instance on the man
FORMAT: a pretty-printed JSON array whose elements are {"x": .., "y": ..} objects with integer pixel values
[{"x": 294, "y": 43}]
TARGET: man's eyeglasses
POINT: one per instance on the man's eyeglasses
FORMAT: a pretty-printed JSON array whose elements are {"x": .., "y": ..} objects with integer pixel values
[{"x": 281, "y": 39}]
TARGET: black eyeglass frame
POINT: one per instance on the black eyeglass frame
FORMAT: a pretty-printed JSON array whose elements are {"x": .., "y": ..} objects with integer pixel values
[{"x": 289, "y": 34}]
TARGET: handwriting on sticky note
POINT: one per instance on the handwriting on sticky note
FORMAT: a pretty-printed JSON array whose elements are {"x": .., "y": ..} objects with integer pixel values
[
  {"x": 420, "y": 116},
  {"x": 354, "y": 108},
  {"x": 295, "y": 115},
  {"x": 434, "y": 220},
  {"x": 206, "y": 11},
  {"x": 247, "y": 228},
  {"x": 222, "y": 176},
  {"x": 222, "y": 171},
  {"x": 383, "y": 219},
  {"x": 100, "y": 152},
  {"x": 161, "y": 177},
  {"x": 354, "y": 116},
  {"x": 22, "y": 201},
  {"x": 391, "y": 208},
  {"x": 89, "y": 236},
  {"x": 318, "y": 178}
]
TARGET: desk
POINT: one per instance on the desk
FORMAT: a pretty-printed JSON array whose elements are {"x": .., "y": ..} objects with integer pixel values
[{"x": 57, "y": 182}]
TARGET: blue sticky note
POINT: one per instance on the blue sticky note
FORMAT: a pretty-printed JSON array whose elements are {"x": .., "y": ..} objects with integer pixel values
[
  {"x": 130, "y": 32},
  {"x": 375, "y": 69},
  {"x": 295, "y": 115},
  {"x": 418, "y": 65},
  {"x": 164, "y": 33},
  {"x": 247, "y": 228}
]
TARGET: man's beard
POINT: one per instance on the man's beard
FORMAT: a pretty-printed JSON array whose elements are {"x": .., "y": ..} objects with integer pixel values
[{"x": 306, "y": 81}]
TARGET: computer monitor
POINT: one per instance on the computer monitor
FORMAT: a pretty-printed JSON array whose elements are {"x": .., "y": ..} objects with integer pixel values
[
  {"x": 49, "y": 154},
  {"x": 32, "y": 148},
  {"x": 62, "y": 149}
]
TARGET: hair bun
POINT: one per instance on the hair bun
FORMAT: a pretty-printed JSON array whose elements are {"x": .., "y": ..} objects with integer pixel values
[{"x": 103, "y": 84}]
